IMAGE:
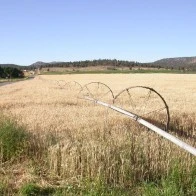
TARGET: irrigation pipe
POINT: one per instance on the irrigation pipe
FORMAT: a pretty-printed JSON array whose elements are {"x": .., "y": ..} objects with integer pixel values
[{"x": 159, "y": 131}]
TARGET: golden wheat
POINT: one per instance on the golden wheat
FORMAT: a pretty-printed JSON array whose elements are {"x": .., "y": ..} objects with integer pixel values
[{"x": 87, "y": 141}]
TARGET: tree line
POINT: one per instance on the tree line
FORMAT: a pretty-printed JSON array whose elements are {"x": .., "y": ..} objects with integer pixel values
[
  {"x": 10, "y": 72},
  {"x": 115, "y": 64},
  {"x": 93, "y": 63},
  {"x": 110, "y": 64}
]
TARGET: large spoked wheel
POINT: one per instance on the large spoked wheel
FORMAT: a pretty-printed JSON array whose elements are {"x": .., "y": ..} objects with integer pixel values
[
  {"x": 60, "y": 83},
  {"x": 73, "y": 86},
  {"x": 145, "y": 103},
  {"x": 97, "y": 91}
]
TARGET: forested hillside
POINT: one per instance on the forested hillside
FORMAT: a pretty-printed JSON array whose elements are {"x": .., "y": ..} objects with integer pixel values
[{"x": 187, "y": 63}]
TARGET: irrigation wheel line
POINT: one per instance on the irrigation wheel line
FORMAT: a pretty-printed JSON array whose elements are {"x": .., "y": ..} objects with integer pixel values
[
  {"x": 145, "y": 123},
  {"x": 150, "y": 91},
  {"x": 95, "y": 90},
  {"x": 98, "y": 84},
  {"x": 73, "y": 84}
]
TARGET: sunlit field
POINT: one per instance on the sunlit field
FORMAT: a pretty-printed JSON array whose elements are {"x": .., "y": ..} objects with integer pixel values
[{"x": 76, "y": 146}]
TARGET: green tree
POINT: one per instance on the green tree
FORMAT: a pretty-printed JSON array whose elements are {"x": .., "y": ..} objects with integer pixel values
[{"x": 1, "y": 72}]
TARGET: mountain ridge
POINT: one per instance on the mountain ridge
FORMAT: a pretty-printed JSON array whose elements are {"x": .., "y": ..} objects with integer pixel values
[
  {"x": 169, "y": 63},
  {"x": 177, "y": 61}
]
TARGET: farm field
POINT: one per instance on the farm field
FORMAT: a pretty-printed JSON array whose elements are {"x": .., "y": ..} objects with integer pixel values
[{"x": 74, "y": 147}]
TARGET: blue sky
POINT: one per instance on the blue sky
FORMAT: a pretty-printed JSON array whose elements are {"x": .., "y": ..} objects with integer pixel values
[{"x": 69, "y": 30}]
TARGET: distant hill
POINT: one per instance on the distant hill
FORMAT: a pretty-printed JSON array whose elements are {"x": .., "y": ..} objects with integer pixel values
[
  {"x": 87, "y": 63},
  {"x": 10, "y": 65},
  {"x": 179, "y": 62},
  {"x": 39, "y": 64}
]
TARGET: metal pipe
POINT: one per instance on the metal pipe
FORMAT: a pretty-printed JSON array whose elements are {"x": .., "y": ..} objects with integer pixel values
[{"x": 154, "y": 128}]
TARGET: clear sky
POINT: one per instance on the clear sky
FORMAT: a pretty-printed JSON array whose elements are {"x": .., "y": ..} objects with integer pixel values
[{"x": 69, "y": 30}]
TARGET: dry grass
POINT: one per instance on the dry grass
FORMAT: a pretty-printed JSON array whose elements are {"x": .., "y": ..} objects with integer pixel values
[
  {"x": 92, "y": 68},
  {"x": 88, "y": 142}
]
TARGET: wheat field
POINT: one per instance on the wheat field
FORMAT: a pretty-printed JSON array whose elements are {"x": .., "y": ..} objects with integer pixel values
[{"x": 77, "y": 141}]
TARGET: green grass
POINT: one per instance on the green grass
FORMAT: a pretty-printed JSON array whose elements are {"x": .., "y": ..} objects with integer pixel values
[
  {"x": 117, "y": 72},
  {"x": 33, "y": 189},
  {"x": 94, "y": 190},
  {"x": 13, "y": 138},
  {"x": 177, "y": 183}
]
